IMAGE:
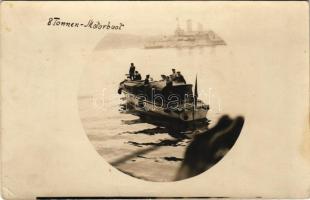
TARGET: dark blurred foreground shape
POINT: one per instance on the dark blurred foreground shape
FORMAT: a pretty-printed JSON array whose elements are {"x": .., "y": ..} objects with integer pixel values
[{"x": 209, "y": 147}]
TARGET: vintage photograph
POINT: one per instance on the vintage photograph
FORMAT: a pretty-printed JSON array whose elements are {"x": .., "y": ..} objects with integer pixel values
[
  {"x": 153, "y": 104},
  {"x": 168, "y": 99}
]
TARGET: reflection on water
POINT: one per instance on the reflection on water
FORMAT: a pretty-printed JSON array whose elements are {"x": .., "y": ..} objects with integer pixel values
[
  {"x": 149, "y": 131},
  {"x": 125, "y": 140},
  {"x": 132, "y": 121},
  {"x": 165, "y": 142}
]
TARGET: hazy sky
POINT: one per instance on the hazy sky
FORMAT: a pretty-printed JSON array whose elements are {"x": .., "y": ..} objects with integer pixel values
[{"x": 235, "y": 22}]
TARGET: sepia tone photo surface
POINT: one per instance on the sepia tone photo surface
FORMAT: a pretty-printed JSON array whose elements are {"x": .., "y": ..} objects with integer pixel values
[{"x": 155, "y": 99}]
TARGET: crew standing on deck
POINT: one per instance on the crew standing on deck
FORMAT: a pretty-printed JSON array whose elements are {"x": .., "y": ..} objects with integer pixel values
[
  {"x": 173, "y": 75},
  {"x": 147, "y": 81},
  {"x": 132, "y": 71},
  {"x": 137, "y": 76},
  {"x": 179, "y": 78},
  {"x": 168, "y": 82}
]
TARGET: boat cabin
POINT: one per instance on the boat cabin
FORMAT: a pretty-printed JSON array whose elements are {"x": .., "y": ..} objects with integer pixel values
[{"x": 181, "y": 91}]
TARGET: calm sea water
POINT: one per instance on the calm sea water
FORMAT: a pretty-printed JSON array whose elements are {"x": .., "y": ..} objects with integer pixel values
[
  {"x": 229, "y": 80},
  {"x": 118, "y": 136}
]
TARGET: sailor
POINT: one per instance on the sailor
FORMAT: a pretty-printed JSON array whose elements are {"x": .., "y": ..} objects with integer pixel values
[
  {"x": 147, "y": 81},
  {"x": 168, "y": 82},
  {"x": 163, "y": 77},
  {"x": 179, "y": 78},
  {"x": 137, "y": 76},
  {"x": 132, "y": 71},
  {"x": 173, "y": 75}
]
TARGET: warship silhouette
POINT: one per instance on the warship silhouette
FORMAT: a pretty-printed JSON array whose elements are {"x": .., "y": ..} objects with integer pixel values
[{"x": 185, "y": 39}]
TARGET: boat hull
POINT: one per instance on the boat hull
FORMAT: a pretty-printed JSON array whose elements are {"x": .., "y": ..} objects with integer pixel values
[{"x": 185, "y": 118}]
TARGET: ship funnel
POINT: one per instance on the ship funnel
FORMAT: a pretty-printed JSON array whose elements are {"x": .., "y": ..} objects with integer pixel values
[
  {"x": 200, "y": 27},
  {"x": 178, "y": 23},
  {"x": 189, "y": 25}
]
